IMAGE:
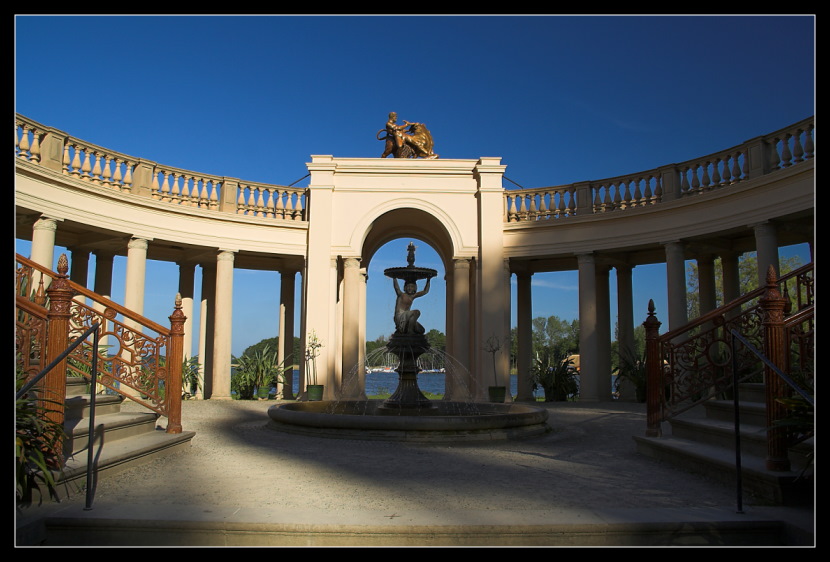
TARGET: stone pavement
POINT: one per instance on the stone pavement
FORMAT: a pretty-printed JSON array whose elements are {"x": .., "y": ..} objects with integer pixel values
[{"x": 586, "y": 470}]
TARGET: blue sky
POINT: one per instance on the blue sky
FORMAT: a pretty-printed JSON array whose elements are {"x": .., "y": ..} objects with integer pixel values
[{"x": 559, "y": 98}]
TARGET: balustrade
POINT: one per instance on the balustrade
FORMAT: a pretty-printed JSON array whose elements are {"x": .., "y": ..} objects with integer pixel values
[{"x": 108, "y": 169}]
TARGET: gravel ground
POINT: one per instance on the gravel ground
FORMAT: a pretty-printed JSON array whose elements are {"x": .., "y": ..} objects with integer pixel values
[{"x": 588, "y": 461}]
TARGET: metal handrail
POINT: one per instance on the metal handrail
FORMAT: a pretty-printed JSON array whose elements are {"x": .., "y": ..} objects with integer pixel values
[{"x": 92, "y": 330}]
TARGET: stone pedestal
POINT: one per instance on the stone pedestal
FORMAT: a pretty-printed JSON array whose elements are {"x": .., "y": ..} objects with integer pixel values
[{"x": 407, "y": 398}]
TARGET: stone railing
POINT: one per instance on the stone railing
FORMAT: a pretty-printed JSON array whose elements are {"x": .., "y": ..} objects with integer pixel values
[
  {"x": 756, "y": 157},
  {"x": 114, "y": 171}
]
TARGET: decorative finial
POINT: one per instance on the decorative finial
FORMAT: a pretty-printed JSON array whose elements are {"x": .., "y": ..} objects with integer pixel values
[{"x": 410, "y": 254}]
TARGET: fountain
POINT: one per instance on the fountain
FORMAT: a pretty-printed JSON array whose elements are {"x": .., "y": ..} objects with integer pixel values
[{"x": 407, "y": 415}]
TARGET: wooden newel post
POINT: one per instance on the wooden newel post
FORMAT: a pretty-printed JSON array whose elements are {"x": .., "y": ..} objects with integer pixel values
[
  {"x": 54, "y": 383},
  {"x": 175, "y": 357},
  {"x": 654, "y": 377},
  {"x": 775, "y": 348}
]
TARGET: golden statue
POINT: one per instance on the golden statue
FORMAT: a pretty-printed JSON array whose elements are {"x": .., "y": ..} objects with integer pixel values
[{"x": 414, "y": 143}]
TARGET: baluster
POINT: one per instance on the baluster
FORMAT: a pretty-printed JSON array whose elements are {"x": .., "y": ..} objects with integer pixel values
[
  {"x": 203, "y": 194},
  {"x": 114, "y": 179},
  {"x": 165, "y": 188},
  {"x": 684, "y": 181},
  {"x": 76, "y": 161},
  {"x": 17, "y": 126},
  {"x": 798, "y": 151},
  {"x": 544, "y": 209},
  {"x": 24, "y": 143},
  {"x": 533, "y": 212},
  {"x": 260, "y": 204},
  {"x": 745, "y": 170},
  {"x": 240, "y": 201},
  {"x": 34, "y": 149},
  {"x": 106, "y": 174},
  {"x": 706, "y": 183},
  {"x": 506, "y": 209},
  {"x": 279, "y": 207},
  {"x": 716, "y": 179},
  {"x": 646, "y": 198},
  {"x": 560, "y": 208},
  {"x": 523, "y": 207},
  {"x": 658, "y": 189},
  {"x": 786, "y": 155},
  {"x": 637, "y": 196},
  {"x": 571, "y": 201},
  {"x": 127, "y": 186},
  {"x": 186, "y": 191},
  {"x": 774, "y": 159},
  {"x": 214, "y": 196},
  {"x": 695, "y": 179},
  {"x": 65, "y": 168},
  {"x": 251, "y": 207},
  {"x": 85, "y": 169},
  {"x": 96, "y": 170},
  {"x": 808, "y": 143},
  {"x": 607, "y": 205},
  {"x": 296, "y": 206},
  {"x": 269, "y": 203}
]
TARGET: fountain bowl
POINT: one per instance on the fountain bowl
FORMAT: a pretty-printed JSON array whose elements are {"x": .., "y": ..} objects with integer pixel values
[{"x": 443, "y": 422}]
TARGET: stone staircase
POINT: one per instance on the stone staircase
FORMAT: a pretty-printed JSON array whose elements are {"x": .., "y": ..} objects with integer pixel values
[
  {"x": 122, "y": 439},
  {"x": 702, "y": 440}
]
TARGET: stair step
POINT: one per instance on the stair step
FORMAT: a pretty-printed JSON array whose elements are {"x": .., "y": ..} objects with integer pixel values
[
  {"x": 115, "y": 426},
  {"x": 77, "y": 407},
  {"x": 719, "y": 463},
  {"x": 751, "y": 413}
]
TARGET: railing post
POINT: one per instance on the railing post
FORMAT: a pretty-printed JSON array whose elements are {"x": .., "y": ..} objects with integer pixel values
[
  {"x": 584, "y": 198},
  {"x": 230, "y": 191},
  {"x": 54, "y": 383},
  {"x": 175, "y": 358},
  {"x": 670, "y": 183},
  {"x": 775, "y": 348},
  {"x": 143, "y": 178},
  {"x": 51, "y": 150},
  {"x": 653, "y": 373},
  {"x": 756, "y": 154}
]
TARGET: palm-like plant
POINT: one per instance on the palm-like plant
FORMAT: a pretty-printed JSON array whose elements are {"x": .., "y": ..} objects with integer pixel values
[
  {"x": 258, "y": 371},
  {"x": 554, "y": 373}
]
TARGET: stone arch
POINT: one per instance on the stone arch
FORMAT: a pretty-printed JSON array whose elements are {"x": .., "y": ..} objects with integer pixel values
[{"x": 401, "y": 223}]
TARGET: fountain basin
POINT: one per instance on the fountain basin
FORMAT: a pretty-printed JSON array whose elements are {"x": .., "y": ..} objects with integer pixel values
[{"x": 443, "y": 422}]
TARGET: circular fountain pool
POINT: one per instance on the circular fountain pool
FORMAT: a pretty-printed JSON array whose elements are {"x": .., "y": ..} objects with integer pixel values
[{"x": 442, "y": 422}]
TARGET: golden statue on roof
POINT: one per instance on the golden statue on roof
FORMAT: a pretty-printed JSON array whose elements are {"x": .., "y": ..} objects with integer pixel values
[{"x": 416, "y": 142}]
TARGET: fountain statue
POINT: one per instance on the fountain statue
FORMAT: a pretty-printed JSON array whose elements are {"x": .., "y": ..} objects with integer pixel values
[
  {"x": 408, "y": 342},
  {"x": 408, "y": 415}
]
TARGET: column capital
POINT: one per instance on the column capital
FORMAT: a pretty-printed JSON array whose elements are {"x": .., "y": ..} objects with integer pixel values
[
  {"x": 46, "y": 223},
  {"x": 225, "y": 255},
  {"x": 138, "y": 243},
  {"x": 351, "y": 263}
]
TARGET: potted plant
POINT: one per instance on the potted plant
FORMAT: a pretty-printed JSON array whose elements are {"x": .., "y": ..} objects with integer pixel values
[
  {"x": 631, "y": 375},
  {"x": 256, "y": 372},
  {"x": 313, "y": 345},
  {"x": 555, "y": 374},
  {"x": 496, "y": 392},
  {"x": 191, "y": 383}
]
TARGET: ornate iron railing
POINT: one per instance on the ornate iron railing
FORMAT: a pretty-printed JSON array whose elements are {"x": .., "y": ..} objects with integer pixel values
[{"x": 138, "y": 358}]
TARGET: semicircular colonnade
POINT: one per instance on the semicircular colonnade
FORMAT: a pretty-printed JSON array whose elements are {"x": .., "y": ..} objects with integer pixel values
[{"x": 757, "y": 196}]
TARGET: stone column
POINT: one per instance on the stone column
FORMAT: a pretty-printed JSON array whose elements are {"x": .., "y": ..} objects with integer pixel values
[
  {"x": 222, "y": 332},
  {"x": 287, "y": 351},
  {"x": 353, "y": 377},
  {"x": 729, "y": 263},
  {"x": 707, "y": 296},
  {"x": 207, "y": 320},
  {"x": 135, "y": 277},
  {"x": 625, "y": 325},
  {"x": 524, "y": 335},
  {"x": 102, "y": 284},
  {"x": 187, "y": 277},
  {"x": 79, "y": 271},
  {"x": 676, "y": 284},
  {"x": 588, "y": 337},
  {"x": 603, "y": 373},
  {"x": 43, "y": 248},
  {"x": 766, "y": 245},
  {"x": 461, "y": 328}
]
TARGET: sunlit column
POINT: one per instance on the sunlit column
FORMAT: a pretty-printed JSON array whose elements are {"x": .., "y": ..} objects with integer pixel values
[
  {"x": 361, "y": 351},
  {"x": 43, "y": 248},
  {"x": 187, "y": 277},
  {"x": 676, "y": 284},
  {"x": 524, "y": 331},
  {"x": 588, "y": 337},
  {"x": 222, "y": 326},
  {"x": 136, "y": 274},
  {"x": 766, "y": 245},
  {"x": 207, "y": 314},
  {"x": 353, "y": 378}
]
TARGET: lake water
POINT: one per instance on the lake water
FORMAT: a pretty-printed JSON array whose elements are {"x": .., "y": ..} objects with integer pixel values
[{"x": 387, "y": 382}]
